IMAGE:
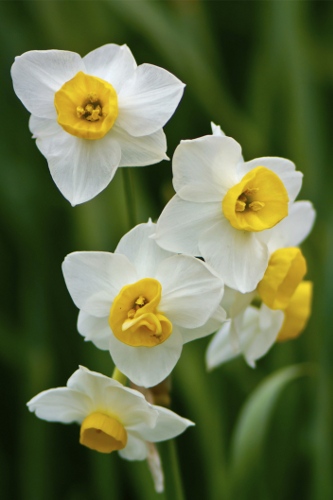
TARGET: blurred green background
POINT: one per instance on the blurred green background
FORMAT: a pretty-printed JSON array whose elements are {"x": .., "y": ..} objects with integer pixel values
[{"x": 263, "y": 70}]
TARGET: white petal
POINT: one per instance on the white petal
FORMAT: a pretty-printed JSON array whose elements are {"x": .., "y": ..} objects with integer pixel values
[
  {"x": 61, "y": 405},
  {"x": 97, "y": 330},
  {"x": 293, "y": 229},
  {"x": 259, "y": 332},
  {"x": 181, "y": 223},
  {"x": 211, "y": 326},
  {"x": 237, "y": 256},
  {"x": 135, "y": 449},
  {"x": 94, "y": 279},
  {"x": 141, "y": 250},
  {"x": 140, "y": 151},
  {"x": 113, "y": 63},
  {"x": 285, "y": 169},
  {"x": 148, "y": 100},
  {"x": 190, "y": 292},
  {"x": 168, "y": 426},
  {"x": 216, "y": 129},
  {"x": 235, "y": 302},
  {"x": 147, "y": 366},
  {"x": 38, "y": 74},
  {"x": 205, "y": 168},
  {"x": 81, "y": 168},
  {"x": 222, "y": 348}
]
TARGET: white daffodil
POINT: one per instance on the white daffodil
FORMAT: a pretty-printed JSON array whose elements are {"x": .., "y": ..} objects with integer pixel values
[
  {"x": 93, "y": 114},
  {"x": 143, "y": 303},
  {"x": 112, "y": 417},
  {"x": 223, "y": 206}
]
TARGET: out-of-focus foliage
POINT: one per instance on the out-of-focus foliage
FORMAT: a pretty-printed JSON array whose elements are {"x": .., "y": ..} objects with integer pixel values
[{"x": 264, "y": 72}]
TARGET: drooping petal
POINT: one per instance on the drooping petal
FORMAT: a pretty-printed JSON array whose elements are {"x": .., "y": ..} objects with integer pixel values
[
  {"x": 168, "y": 426},
  {"x": 222, "y": 348},
  {"x": 80, "y": 168},
  {"x": 148, "y": 100},
  {"x": 237, "y": 256},
  {"x": 111, "y": 62},
  {"x": 61, "y": 405},
  {"x": 97, "y": 330},
  {"x": 205, "y": 168},
  {"x": 147, "y": 366},
  {"x": 38, "y": 74},
  {"x": 190, "y": 292},
  {"x": 259, "y": 331},
  {"x": 181, "y": 223},
  {"x": 142, "y": 251},
  {"x": 140, "y": 151},
  {"x": 284, "y": 168},
  {"x": 95, "y": 278}
]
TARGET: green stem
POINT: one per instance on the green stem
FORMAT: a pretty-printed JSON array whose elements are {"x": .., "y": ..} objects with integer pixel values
[
  {"x": 173, "y": 481},
  {"x": 119, "y": 376},
  {"x": 129, "y": 195}
]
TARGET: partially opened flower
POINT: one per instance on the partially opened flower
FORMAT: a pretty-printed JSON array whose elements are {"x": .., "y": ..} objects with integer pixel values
[
  {"x": 93, "y": 114},
  {"x": 256, "y": 331},
  {"x": 112, "y": 417},
  {"x": 224, "y": 205},
  {"x": 143, "y": 303}
]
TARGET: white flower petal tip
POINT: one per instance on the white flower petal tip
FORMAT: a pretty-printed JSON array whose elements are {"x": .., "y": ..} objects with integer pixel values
[
  {"x": 98, "y": 403},
  {"x": 94, "y": 114},
  {"x": 143, "y": 303},
  {"x": 216, "y": 129},
  {"x": 223, "y": 207}
]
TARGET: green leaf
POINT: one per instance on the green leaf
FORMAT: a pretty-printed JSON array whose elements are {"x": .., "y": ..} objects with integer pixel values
[{"x": 252, "y": 425}]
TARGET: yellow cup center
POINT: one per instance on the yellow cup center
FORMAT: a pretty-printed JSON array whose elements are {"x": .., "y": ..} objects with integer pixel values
[
  {"x": 102, "y": 433},
  {"x": 256, "y": 203},
  {"x": 297, "y": 313},
  {"x": 134, "y": 316},
  {"x": 87, "y": 106},
  {"x": 286, "y": 269}
]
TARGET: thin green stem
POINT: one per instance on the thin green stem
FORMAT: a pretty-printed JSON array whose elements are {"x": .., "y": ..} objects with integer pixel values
[
  {"x": 119, "y": 376},
  {"x": 173, "y": 481},
  {"x": 129, "y": 195}
]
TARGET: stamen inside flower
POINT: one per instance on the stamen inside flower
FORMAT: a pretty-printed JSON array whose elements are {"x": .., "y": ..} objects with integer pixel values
[
  {"x": 87, "y": 106},
  {"x": 297, "y": 313},
  {"x": 285, "y": 271},
  {"x": 102, "y": 433},
  {"x": 134, "y": 316},
  {"x": 256, "y": 203}
]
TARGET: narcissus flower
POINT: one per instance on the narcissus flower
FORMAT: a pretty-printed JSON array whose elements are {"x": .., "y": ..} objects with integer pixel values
[
  {"x": 93, "y": 114},
  {"x": 143, "y": 303},
  {"x": 112, "y": 417},
  {"x": 224, "y": 206}
]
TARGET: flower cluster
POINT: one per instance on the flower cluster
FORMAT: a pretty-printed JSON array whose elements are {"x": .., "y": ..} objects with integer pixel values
[{"x": 223, "y": 257}]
